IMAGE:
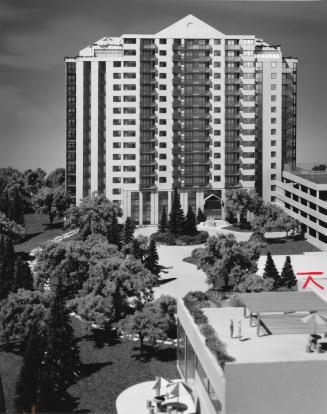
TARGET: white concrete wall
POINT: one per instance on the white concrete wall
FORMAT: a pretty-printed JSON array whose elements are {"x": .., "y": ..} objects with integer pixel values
[{"x": 79, "y": 129}]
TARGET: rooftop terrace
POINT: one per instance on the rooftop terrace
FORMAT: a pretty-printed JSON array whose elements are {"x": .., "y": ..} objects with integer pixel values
[
  {"x": 282, "y": 344},
  {"x": 314, "y": 172}
]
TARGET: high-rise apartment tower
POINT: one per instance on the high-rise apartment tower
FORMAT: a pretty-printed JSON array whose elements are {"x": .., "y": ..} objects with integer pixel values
[{"x": 188, "y": 107}]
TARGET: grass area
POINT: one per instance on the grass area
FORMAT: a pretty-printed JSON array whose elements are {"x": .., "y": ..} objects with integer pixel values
[
  {"x": 288, "y": 246},
  {"x": 238, "y": 229},
  {"x": 38, "y": 232},
  {"x": 109, "y": 366}
]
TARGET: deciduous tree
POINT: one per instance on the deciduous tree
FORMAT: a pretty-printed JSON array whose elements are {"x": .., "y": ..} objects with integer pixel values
[
  {"x": 7, "y": 261},
  {"x": 54, "y": 202},
  {"x": 56, "y": 178}
]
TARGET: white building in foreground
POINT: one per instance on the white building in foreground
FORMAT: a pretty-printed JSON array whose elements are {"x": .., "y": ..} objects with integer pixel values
[{"x": 188, "y": 107}]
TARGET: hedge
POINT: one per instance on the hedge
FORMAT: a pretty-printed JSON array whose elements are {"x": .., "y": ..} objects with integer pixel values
[{"x": 184, "y": 240}]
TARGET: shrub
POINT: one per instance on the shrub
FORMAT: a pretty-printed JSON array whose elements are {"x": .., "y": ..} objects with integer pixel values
[
  {"x": 199, "y": 238},
  {"x": 235, "y": 301},
  {"x": 215, "y": 297},
  {"x": 163, "y": 238}
]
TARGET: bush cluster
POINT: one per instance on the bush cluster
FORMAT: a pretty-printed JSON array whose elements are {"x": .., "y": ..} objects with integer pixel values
[
  {"x": 170, "y": 240},
  {"x": 194, "y": 301}
]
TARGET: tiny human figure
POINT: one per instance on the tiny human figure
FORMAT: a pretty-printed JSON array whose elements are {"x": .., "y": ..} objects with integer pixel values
[
  {"x": 231, "y": 327},
  {"x": 240, "y": 330}
]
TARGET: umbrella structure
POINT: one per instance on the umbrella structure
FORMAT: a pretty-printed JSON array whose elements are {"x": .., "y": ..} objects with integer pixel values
[
  {"x": 160, "y": 383},
  {"x": 178, "y": 389},
  {"x": 316, "y": 319}
]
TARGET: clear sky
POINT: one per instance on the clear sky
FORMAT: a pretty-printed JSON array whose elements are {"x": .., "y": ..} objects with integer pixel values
[{"x": 36, "y": 35}]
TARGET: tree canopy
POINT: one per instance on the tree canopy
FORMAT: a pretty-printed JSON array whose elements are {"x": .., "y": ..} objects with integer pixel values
[{"x": 54, "y": 202}]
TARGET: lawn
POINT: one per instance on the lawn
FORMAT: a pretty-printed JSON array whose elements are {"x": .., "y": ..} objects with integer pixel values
[
  {"x": 109, "y": 366},
  {"x": 238, "y": 229},
  {"x": 287, "y": 246},
  {"x": 38, "y": 232}
]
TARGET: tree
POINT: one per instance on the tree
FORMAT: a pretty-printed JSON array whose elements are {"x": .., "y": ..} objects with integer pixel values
[
  {"x": 163, "y": 221},
  {"x": 22, "y": 276},
  {"x": 27, "y": 387},
  {"x": 201, "y": 217},
  {"x": 152, "y": 258},
  {"x": 18, "y": 313},
  {"x": 14, "y": 199},
  {"x": 255, "y": 283},
  {"x": 176, "y": 216},
  {"x": 167, "y": 307},
  {"x": 10, "y": 228},
  {"x": 135, "y": 250},
  {"x": 190, "y": 223},
  {"x": 236, "y": 202},
  {"x": 288, "y": 278},
  {"x": 56, "y": 178},
  {"x": 226, "y": 261},
  {"x": 53, "y": 202},
  {"x": 61, "y": 364},
  {"x": 7, "y": 260},
  {"x": 95, "y": 215},
  {"x": 147, "y": 323},
  {"x": 128, "y": 231},
  {"x": 271, "y": 272},
  {"x": 34, "y": 180}
]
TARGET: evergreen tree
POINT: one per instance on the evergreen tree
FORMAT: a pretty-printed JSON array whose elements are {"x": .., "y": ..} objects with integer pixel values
[
  {"x": 114, "y": 231},
  {"x": 201, "y": 217},
  {"x": 136, "y": 249},
  {"x": 288, "y": 278},
  {"x": 152, "y": 258},
  {"x": 27, "y": 387},
  {"x": 128, "y": 231},
  {"x": 176, "y": 216},
  {"x": 61, "y": 362},
  {"x": 271, "y": 271},
  {"x": 23, "y": 278},
  {"x": 163, "y": 221},
  {"x": 7, "y": 260},
  {"x": 190, "y": 223}
]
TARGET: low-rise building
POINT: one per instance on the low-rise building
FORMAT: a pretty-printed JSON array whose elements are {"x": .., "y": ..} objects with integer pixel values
[
  {"x": 272, "y": 372},
  {"x": 303, "y": 195}
]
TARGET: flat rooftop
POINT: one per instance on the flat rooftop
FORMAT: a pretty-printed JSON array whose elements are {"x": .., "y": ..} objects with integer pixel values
[
  {"x": 317, "y": 177},
  {"x": 286, "y": 345},
  {"x": 282, "y": 302}
]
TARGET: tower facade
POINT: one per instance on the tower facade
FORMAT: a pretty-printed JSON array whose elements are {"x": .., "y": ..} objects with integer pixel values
[{"x": 188, "y": 107}]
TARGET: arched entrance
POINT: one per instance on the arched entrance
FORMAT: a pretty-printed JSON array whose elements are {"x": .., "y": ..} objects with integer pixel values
[{"x": 212, "y": 206}]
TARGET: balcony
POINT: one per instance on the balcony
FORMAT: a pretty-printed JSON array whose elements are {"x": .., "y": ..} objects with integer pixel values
[{"x": 233, "y": 59}]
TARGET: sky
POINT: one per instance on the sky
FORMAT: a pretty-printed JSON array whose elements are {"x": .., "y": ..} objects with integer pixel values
[{"x": 36, "y": 35}]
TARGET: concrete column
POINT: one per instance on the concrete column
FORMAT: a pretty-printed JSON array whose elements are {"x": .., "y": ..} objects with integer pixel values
[
  {"x": 79, "y": 130},
  {"x": 140, "y": 208},
  {"x": 258, "y": 324},
  {"x": 154, "y": 208},
  {"x": 184, "y": 202},
  {"x": 94, "y": 125},
  {"x": 169, "y": 202}
]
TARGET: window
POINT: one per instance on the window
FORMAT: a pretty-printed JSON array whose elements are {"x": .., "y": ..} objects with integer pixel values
[
  {"x": 217, "y": 41},
  {"x": 273, "y": 176},
  {"x": 273, "y": 98},
  {"x": 217, "y": 167},
  {"x": 162, "y": 64},
  {"x": 273, "y": 143},
  {"x": 273, "y": 120},
  {"x": 273, "y": 86},
  {"x": 116, "y": 122},
  {"x": 116, "y": 180},
  {"x": 162, "y": 53},
  {"x": 163, "y": 41},
  {"x": 217, "y": 144},
  {"x": 129, "y": 87},
  {"x": 116, "y": 168},
  {"x": 216, "y": 132},
  {"x": 129, "y": 180},
  {"x": 217, "y": 75},
  {"x": 162, "y": 133},
  {"x": 116, "y": 156},
  {"x": 217, "y": 155},
  {"x": 273, "y": 131},
  {"x": 117, "y": 87},
  {"x": 116, "y": 110},
  {"x": 129, "y": 75},
  {"x": 129, "y": 145},
  {"x": 129, "y": 110},
  {"x": 129, "y": 133},
  {"x": 273, "y": 154},
  {"x": 162, "y": 168},
  {"x": 217, "y": 178},
  {"x": 162, "y": 99},
  {"x": 129, "y": 41},
  {"x": 129, "y": 52},
  {"x": 273, "y": 165},
  {"x": 117, "y": 75},
  {"x": 116, "y": 145},
  {"x": 162, "y": 179},
  {"x": 116, "y": 191},
  {"x": 130, "y": 98},
  {"x": 117, "y": 64},
  {"x": 217, "y": 109},
  {"x": 162, "y": 75},
  {"x": 217, "y": 53},
  {"x": 116, "y": 98},
  {"x": 162, "y": 156},
  {"x": 129, "y": 121},
  {"x": 162, "y": 87},
  {"x": 217, "y": 64},
  {"x": 130, "y": 64},
  {"x": 116, "y": 133},
  {"x": 129, "y": 168},
  {"x": 273, "y": 199},
  {"x": 217, "y": 87},
  {"x": 217, "y": 98},
  {"x": 274, "y": 64},
  {"x": 162, "y": 110},
  {"x": 162, "y": 145},
  {"x": 217, "y": 121},
  {"x": 273, "y": 109},
  {"x": 273, "y": 75},
  {"x": 129, "y": 156}
]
